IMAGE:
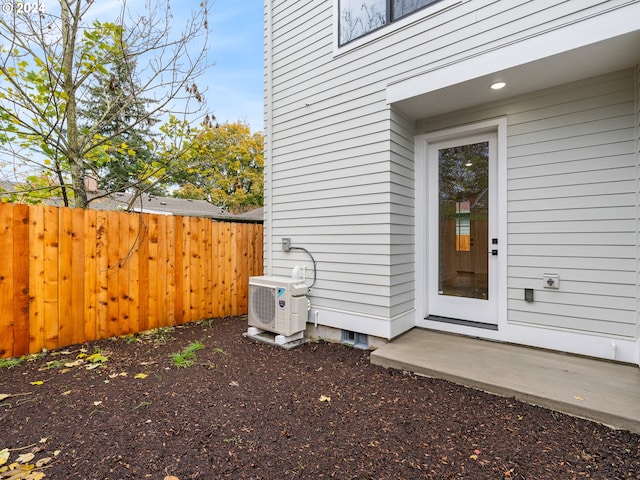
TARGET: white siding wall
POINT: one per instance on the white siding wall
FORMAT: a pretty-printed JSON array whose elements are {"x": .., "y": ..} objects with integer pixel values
[
  {"x": 637, "y": 176},
  {"x": 572, "y": 202},
  {"x": 331, "y": 170},
  {"x": 339, "y": 160}
]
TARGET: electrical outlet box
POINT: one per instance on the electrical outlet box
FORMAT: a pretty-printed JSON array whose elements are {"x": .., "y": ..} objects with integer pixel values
[
  {"x": 286, "y": 244},
  {"x": 528, "y": 295},
  {"x": 551, "y": 280}
]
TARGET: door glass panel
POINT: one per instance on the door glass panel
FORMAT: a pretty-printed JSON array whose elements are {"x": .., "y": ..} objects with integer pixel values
[{"x": 464, "y": 220}]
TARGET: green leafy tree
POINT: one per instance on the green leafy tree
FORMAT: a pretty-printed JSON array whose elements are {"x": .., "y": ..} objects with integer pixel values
[
  {"x": 51, "y": 65},
  {"x": 33, "y": 189},
  {"x": 224, "y": 164},
  {"x": 124, "y": 165}
]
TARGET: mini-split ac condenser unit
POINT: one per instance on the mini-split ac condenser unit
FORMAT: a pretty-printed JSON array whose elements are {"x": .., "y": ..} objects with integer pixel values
[{"x": 278, "y": 305}]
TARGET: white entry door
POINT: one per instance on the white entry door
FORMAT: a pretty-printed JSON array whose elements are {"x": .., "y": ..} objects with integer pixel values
[{"x": 463, "y": 249}]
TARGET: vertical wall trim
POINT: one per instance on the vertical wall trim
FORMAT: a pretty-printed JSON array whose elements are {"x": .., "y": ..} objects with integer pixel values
[
  {"x": 637, "y": 153},
  {"x": 268, "y": 73}
]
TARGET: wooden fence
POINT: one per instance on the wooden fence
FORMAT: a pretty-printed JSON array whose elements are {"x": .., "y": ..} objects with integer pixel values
[{"x": 69, "y": 276}]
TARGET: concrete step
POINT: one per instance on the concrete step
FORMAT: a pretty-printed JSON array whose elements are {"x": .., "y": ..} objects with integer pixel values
[{"x": 598, "y": 390}]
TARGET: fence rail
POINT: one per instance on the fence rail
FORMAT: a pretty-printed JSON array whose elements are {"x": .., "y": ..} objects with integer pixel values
[{"x": 69, "y": 276}]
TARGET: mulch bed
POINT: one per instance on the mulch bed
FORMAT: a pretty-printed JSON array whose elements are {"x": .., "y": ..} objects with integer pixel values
[{"x": 249, "y": 410}]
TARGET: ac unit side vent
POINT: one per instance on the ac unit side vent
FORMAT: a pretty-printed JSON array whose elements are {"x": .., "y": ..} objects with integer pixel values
[{"x": 263, "y": 304}]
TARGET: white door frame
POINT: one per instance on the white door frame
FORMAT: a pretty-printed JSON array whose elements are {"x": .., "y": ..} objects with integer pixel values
[{"x": 422, "y": 142}]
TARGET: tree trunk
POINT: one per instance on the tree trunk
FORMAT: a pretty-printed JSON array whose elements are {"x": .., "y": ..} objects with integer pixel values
[{"x": 70, "y": 21}]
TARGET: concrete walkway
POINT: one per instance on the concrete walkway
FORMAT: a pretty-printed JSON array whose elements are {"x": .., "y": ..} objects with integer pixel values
[{"x": 598, "y": 390}]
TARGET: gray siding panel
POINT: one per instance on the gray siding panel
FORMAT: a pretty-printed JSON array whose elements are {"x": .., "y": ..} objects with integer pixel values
[
  {"x": 572, "y": 189},
  {"x": 571, "y": 200}
]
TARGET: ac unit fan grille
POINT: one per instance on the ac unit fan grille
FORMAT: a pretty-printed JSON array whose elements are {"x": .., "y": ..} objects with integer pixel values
[{"x": 263, "y": 304}]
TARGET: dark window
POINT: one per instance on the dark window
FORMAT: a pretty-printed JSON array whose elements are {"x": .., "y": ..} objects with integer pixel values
[
  {"x": 401, "y": 8},
  {"x": 359, "y": 17}
]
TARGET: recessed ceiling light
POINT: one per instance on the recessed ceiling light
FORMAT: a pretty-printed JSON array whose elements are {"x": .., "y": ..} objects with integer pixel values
[{"x": 498, "y": 85}]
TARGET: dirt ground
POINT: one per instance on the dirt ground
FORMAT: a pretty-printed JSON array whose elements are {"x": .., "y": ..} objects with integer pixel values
[{"x": 129, "y": 408}]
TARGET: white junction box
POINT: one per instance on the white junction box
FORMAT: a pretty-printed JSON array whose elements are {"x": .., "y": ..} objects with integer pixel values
[
  {"x": 278, "y": 305},
  {"x": 551, "y": 280}
]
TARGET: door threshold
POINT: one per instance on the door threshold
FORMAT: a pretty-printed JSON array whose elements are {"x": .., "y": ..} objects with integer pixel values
[{"x": 465, "y": 323}]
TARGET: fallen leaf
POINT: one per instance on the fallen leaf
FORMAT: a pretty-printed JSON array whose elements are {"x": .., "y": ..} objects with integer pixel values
[
  {"x": 578, "y": 397},
  {"x": 56, "y": 453},
  {"x": 97, "y": 402},
  {"x": 92, "y": 366},
  {"x": 474, "y": 457},
  {"x": 43, "y": 461},
  {"x": 43, "y": 440},
  {"x": 140, "y": 375},
  {"x": 38, "y": 382},
  {"x": 234, "y": 384},
  {"x": 66, "y": 393},
  {"x": 34, "y": 476},
  {"x": 4, "y": 395},
  {"x": 74, "y": 363},
  {"x": 477, "y": 452},
  {"x": 4, "y": 456},
  {"x": 171, "y": 477},
  {"x": 324, "y": 398},
  {"x": 25, "y": 457},
  {"x": 96, "y": 358}
]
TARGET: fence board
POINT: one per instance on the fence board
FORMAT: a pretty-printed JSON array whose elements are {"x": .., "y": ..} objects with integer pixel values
[
  {"x": 170, "y": 286},
  {"x": 113, "y": 265},
  {"x": 90, "y": 283},
  {"x": 36, "y": 278},
  {"x": 51, "y": 312},
  {"x": 21, "y": 280},
  {"x": 136, "y": 237},
  {"x": 241, "y": 269},
  {"x": 194, "y": 286},
  {"x": 102, "y": 271},
  {"x": 215, "y": 277},
  {"x": 179, "y": 270},
  {"x": 201, "y": 287},
  {"x": 125, "y": 252},
  {"x": 77, "y": 301},
  {"x": 69, "y": 276},
  {"x": 6, "y": 280},
  {"x": 208, "y": 269},
  {"x": 143, "y": 280},
  {"x": 65, "y": 288},
  {"x": 228, "y": 268}
]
